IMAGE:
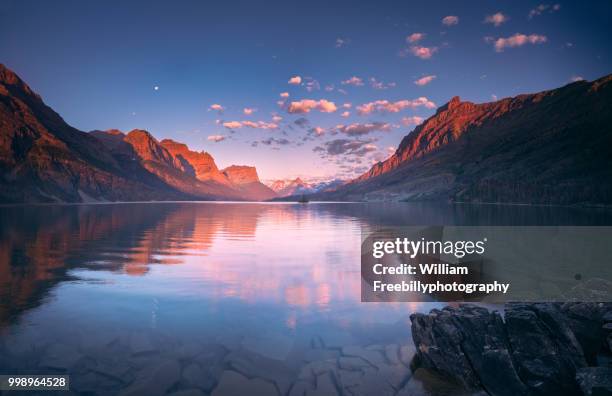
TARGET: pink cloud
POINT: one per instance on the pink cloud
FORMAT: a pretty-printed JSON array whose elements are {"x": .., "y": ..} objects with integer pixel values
[
  {"x": 542, "y": 8},
  {"x": 250, "y": 124},
  {"x": 345, "y": 114},
  {"x": 318, "y": 131},
  {"x": 216, "y": 138},
  {"x": 216, "y": 107},
  {"x": 415, "y": 37},
  {"x": 496, "y": 19},
  {"x": 450, "y": 20},
  {"x": 423, "y": 52},
  {"x": 425, "y": 80},
  {"x": 295, "y": 80},
  {"x": 248, "y": 110},
  {"x": 384, "y": 106},
  {"x": 356, "y": 81},
  {"x": 414, "y": 120},
  {"x": 284, "y": 94},
  {"x": 306, "y": 105},
  {"x": 518, "y": 40},
  {"x": 277, "y": 118}
]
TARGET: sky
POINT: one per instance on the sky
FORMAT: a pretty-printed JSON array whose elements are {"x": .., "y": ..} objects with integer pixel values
[{"x": 317, "y": 89}]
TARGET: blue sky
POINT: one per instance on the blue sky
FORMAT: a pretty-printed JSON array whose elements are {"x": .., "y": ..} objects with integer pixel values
[{"x": 98, "y": 63}]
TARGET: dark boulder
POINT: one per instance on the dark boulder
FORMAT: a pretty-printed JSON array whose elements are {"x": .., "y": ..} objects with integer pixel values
[{"x": 595, "y": 381}]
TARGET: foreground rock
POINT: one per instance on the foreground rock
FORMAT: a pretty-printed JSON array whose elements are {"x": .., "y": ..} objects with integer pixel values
[{"x": 539, "y": 349}]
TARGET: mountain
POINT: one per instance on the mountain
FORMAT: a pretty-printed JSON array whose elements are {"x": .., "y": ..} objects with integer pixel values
[
  {"x": 552, "y": 147},
  {"x": 43, "y": 159},
  {"x": 289, "y": 187},
  {"x": 245, "y": 178}
]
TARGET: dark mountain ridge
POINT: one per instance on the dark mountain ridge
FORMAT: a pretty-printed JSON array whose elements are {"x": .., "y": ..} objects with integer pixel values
[
  {"x": 43, "y": 159},
  {"x": 552, "y": 147}
]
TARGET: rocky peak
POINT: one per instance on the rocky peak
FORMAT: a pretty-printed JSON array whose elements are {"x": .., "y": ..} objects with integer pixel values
[
  {"x": 149, "y": 149},
  {"x": 202, "y": 163},
  {"x": 241, "y": 174}
]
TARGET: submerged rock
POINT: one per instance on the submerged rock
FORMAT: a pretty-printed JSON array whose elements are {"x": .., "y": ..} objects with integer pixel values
[{"x": 539, "y": 349}]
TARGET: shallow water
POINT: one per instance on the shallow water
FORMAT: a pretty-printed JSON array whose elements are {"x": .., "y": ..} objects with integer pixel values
[{"x": 201, "y": 291}]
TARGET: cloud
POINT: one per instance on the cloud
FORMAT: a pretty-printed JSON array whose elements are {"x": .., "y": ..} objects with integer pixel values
[
  {"x": 425, "y": 80},
  {"x": 306, "y": 105},
  {"x": 302, "y": 122},
  {"x": 517, "y": 40},
  {"x": 317, "y": 131},
  {"x": 384, "y": 106},
  {"x": 329, "y": 88},
  {"x": 450, "y": 20},
  {"x": 277, "y": 118},
  {"x": 346, "y": 146},
  {"x": 216, "y": 138},
  {"x": 356, "y": 81},
  {"x": 496, "y": 19},
  {"x": 248, "y": 110},
  {"x": 278, "y": 141},
  {"x": 415, "y": 37},
  {"x": 250, "y": 124},
  {"x": 216, "y": 107},
  {"x": 543, "y": 8},
  {"x": 341, "y": 42},
  {"x": 414, "y": 120},
  {"x": 345, "y": 114},
  {"x": 347, "y": 105},
  {"x": 284, "y": 94},
  {"x": 357, "y": 129},
  {"x": 295, "y": 80},
  {"x": 311, "y": 84},
  {"x": 391, "y": 150},
  {"x": 576, "y": 78},
  {"x": 423, "y": 52},
  {"x": 381, "y": 85}
]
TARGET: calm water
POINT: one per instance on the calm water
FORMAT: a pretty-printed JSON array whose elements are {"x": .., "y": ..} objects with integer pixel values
[{"x": 110, "y": 293}]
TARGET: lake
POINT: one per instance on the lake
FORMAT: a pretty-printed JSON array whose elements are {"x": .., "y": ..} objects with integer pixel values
[{"x": 221, "y": 298}]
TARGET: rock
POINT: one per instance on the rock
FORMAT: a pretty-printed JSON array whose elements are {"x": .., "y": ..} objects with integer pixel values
[
  {"x": 469, "y": 344},
  {"x": 273, "y": 346},
  {"x": 60, "y": 356},
  {"x": 406, "y": 354},
  {"x": 372, "y": 356},
  {"x": 544, "y": 347},
  {"x": 187, "y": 392},
  {"x": 595, "y": 380},
  {"x": 234, "y": 384},
  {"x": 586, "y": 321},
  {"x": 256, "y": 366},
  {"x": 325, "y": 386},
  {"x": 141, "y": 343},
  {"x": 155, "y": 380}
]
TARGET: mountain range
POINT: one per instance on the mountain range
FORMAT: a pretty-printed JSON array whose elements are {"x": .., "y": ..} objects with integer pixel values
[
  {"x": 43, "y": 159},
  {"x": 551, "y": 147},
  {"x": 297, "y": 186}
]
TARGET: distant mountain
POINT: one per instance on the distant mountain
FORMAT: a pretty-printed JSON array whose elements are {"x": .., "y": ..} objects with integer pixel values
[
  {"x": 245, "y": 179},
  {"x": 290, "y": 187},
  {"x": 43, "y": 159},
  {"x": 552, "y": 147}
]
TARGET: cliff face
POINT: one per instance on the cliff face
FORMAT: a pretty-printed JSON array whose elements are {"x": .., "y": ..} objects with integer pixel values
[
  {"x": 553, "y": 147},
  {"x": 247, "y": 180},
  {"x": 43, "y": 159}
]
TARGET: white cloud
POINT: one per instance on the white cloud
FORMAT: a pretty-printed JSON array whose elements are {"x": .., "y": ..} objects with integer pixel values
[
  {"x": 543, "y": 8},
  {"x": 576, "y": 78},
  {"x": 374, "y": 83},
  {"x": 295, "y": 80},
  {"x": 250, "y": 124}
]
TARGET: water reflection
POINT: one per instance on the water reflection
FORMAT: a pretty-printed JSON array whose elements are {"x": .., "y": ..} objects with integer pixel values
[{"x": 243, "y": 277}]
